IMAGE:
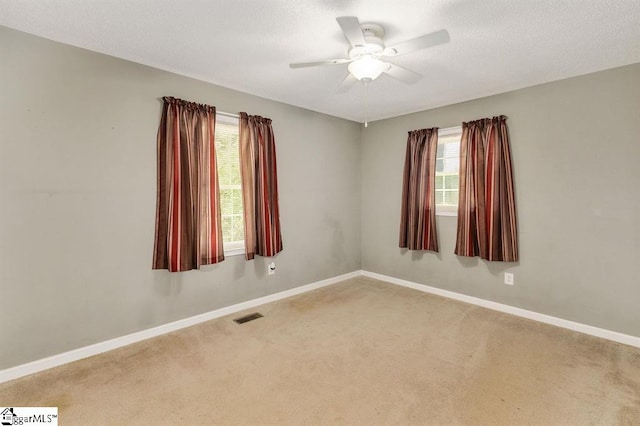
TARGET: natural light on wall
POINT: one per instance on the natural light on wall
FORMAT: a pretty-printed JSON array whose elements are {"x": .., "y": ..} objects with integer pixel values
[
  {"x": 447, "y": 171},
  {"x": 228, "y": 159}
]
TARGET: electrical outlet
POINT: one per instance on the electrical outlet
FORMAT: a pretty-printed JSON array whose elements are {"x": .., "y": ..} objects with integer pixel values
[
  {"x": 508, "y": 278},
  {"x": 271, "y": 268}
]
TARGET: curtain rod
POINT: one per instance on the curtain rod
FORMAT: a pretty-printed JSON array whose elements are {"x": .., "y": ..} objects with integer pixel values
[
  {"x": 445, "y": 131},
  {"x": 227, "y": 114},
  {"x": 448, "y": 130}
]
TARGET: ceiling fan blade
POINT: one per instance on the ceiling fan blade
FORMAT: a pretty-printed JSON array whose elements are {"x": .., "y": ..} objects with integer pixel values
[
  {"x": 402, "y": 74},
  {"x": 351, "y": 29},
  {"x": 319, "y": 63},
  {"x": 422, "y": 42},
  {"x": 346, "y": 84}
]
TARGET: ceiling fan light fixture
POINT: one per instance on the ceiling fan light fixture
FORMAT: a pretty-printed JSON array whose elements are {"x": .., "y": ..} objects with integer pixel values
[{"x": 367, "y": 68}]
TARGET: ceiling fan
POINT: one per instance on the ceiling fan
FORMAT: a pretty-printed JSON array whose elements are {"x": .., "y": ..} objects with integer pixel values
[{"x": 367, "y": 48}]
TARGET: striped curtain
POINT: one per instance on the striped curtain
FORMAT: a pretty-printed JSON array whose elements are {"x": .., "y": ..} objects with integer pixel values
[
  {"x": 188, "y": 225},
  {"x": 418, "y": 216},
  {"x": 487, "y": 225},
  {"x": 259, "y": 187}
]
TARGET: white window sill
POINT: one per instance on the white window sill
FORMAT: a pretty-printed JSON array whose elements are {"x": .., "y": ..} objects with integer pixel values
[
  {"x": 234, "y": 252},
  {"x": 446, "y": 213}
]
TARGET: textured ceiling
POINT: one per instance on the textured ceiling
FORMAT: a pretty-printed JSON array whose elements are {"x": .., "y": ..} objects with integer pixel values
[{"x": 496, "y": 46}]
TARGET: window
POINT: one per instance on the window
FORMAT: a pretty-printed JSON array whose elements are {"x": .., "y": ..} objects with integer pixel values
[
  {"x": 228, "y": 159},
  {"x": 447, "y": 167}
]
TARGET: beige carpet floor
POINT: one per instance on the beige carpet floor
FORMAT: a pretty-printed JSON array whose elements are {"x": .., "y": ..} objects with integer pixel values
[{"x": 359, "y": 352}]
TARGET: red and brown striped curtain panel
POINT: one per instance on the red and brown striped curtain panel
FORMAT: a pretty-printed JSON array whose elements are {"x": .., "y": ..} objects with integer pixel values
[
  {"x": 418, "y": 215},
  {"x": 188, "y": 225},
  {"x": 487, "y": 225},
  {"x": 259, "y": 187}
]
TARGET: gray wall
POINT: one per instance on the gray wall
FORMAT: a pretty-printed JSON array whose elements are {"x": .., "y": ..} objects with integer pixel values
[
  {"x": 78, "y": 187},
  {"x": 576, "y": 154}
]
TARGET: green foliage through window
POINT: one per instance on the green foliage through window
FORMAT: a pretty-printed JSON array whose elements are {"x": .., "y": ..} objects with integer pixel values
[
  {"x": 228, "y": 160},
  {"x": 447, "y": 170}
]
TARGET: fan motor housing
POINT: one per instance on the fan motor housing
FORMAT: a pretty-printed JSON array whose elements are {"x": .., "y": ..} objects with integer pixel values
[{"x": 373, "y": 41}]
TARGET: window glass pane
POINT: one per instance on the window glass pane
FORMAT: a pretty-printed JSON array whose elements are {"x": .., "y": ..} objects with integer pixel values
[
  {"x": 234, "y": 175},
  {"x": 226, "y": 203},
  {"x": 451, "y": 165},
  {"x": 237, "y": 201},
  {"x": 228, "y": 163},
  {"x": 452, "y": 150},
  {"x": 451, "y": 197},
  {"x": 238, "y": 228},
  {"x": 439, "y": 181},
  {"x": 226, "y": 228},
  {"x": 448, "y": 167},
  {"x": 451, "y": 182}
]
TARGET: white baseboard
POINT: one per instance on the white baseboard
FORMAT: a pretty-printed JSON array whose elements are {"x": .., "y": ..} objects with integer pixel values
[
  {"x": 559, "y": 322},
  {"x": 87, "y": 351}
]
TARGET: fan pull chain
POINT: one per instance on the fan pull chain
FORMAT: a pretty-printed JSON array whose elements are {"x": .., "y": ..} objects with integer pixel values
[{"x": 366, "y": 106}]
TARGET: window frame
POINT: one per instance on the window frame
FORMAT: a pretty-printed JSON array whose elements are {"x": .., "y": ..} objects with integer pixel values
[
  {"x": 448, "y": 133},
  {"x": 234, "y": 248}
]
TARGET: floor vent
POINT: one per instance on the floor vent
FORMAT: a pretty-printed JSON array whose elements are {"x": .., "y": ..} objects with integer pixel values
[{"x": 248, "y": 318}]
